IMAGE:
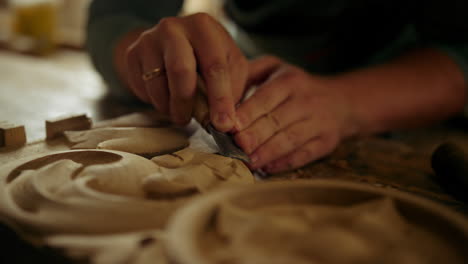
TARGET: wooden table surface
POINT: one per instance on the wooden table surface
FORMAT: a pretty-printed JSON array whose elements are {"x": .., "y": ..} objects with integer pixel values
[{"x": 34, "y": 89}]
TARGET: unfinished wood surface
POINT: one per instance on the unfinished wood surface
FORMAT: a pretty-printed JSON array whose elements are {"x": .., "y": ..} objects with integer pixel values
[
  {"x": 133, "y": 248},
  {"x": 137, "y": 119},
  {"x": 109, "y": 206},
  {"x": 44, "y": 190},
  {"x": 106, "y": 205},
  {"x": 189, "y": 171},
  {"x": 315, "y": 222},
  {"x": 11, "y": 135},
  {"x": 148, "y": 142},
  {"x": 179, "y": 177},
  {"x": 56, "y": 127}
]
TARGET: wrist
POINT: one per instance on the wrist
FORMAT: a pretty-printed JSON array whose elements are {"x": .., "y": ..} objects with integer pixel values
[
  {"x": 413, "y": 90},
  {"x": 347, "y": 114}
]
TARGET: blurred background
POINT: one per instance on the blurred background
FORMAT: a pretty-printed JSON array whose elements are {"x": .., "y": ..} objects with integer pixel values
[
  {"x": 45, "y": 72},
  {"x": 44, "y": 69},
  {"x": 41, "y": 26}
]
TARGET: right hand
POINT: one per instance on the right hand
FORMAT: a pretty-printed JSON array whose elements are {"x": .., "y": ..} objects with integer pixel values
[{"x": 185, "y": 47}]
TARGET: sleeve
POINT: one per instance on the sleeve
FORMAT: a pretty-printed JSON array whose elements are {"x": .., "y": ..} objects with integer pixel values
[
  {"x": 108, "y": 20},
  {"x": 444, "y": 25}
]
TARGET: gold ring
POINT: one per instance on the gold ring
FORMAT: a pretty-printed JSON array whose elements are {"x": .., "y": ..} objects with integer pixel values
[{"x": 152, "y": 74}]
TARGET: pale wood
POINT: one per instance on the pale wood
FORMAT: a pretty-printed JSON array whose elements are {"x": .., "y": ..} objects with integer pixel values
[
  {"x": 329, "y": 220},
  {"x": 118, "y": 248},
  {"x": 56, "y": 127},
  {"x": 138, "y": 140},
  {"x": 189, "y": 171},
  {"x": 12, "y": 135},
  {"x": 138, "y": 119},
  {"x": 33, "y": 148},
  {"x": 69, "y": 197},
  {"x": 106, "y": 205}
]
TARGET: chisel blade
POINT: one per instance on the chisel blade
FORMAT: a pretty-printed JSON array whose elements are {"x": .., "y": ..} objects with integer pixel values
[{"x": 227, "y": 146}]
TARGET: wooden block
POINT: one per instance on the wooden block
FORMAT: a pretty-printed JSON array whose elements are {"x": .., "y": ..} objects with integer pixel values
[
  {"x": 56, "y": 127},
  {"x": 12, "y": 135}
]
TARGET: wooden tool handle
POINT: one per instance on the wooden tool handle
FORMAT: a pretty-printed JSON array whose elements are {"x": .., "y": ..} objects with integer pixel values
[{"x": 201, "y": 111}]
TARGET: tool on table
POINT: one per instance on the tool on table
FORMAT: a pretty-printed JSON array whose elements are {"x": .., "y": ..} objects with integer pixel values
[
  {"x": 225, "y": 142},
  {"x": 450, "y": 164}
]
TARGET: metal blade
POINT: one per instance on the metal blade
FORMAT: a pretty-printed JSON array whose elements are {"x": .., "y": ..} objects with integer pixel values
[{"x": 226, "y": 144}]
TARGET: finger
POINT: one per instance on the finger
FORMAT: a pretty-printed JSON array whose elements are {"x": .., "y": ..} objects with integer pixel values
[
  {"x": 210, "y": 48},
  {"x": 261, "y": 68},
  {"x": 284, "y": 142},
  {"x": 237, "y": 63},
  {"x": 180, "y": 66},
  {"x": 311, "y": 151},
  {"x": 238, "y": 67},
  {"x": 267, "y": 97},
  {"x": 287, "y": 113},
  {"x": 156, "y": 87},
  {"x": 135, "y": 72}
]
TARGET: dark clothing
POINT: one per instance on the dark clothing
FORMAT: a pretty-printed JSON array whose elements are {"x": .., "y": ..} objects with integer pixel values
[{"x": 325, "y": 37}]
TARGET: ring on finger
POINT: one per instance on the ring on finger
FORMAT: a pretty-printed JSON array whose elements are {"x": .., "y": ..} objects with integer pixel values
[{"x": 156, "y": 72}]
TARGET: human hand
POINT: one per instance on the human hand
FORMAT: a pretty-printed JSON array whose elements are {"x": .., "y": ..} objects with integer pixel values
[
  {"x": 184, "y": 47},
  {"x": 292, "y": 118}
]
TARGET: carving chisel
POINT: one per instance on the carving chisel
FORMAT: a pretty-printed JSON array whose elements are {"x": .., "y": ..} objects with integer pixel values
[{"x": 225, "y": 142}]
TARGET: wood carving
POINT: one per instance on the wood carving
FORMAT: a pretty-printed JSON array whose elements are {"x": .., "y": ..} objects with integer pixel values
[
  {"x": 138, "y": 140},
  {"x": 11, "y": 135},
  {"x": 106, "y": 205},
  {"x": 56, "y": 127},
  {"x": 188, "y": 171},
  {"x": 315, "y": 222},
  {"x": 83, "y": 191},
  {"x": 136, "y": 248}
]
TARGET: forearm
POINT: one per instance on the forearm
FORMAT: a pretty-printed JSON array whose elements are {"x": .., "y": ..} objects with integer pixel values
[{"x": 415, "y": 89}]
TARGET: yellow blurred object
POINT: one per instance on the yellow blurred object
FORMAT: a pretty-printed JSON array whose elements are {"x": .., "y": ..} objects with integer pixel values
[{"x": 35, "y": 26}]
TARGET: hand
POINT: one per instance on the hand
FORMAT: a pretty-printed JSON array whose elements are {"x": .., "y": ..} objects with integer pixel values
[
  {"x": 185, "y": 47},
  {"x": 292, "y": 118}
]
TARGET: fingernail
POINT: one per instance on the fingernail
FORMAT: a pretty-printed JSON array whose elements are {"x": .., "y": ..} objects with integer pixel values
[
  {"x": 223, "y": 121},
  {"x": 250, "y": 143},
  {"x": 253, "y": 159},
  {"x": 238, "y": 125}
]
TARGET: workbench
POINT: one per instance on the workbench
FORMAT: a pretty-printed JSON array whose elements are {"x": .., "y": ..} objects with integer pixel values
[{"x": 36, "y": 89}]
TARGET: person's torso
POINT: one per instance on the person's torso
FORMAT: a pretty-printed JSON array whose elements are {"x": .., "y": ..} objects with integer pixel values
[{"x": 325, "y": 36}]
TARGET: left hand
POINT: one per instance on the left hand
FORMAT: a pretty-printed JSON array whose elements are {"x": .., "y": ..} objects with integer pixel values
[{"x": 293, "y": 117}]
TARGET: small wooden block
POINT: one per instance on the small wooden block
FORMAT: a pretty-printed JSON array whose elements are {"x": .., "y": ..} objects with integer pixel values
[
  {"x": 12, "y": 135},
  {"x": 56, "y": 127}
]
